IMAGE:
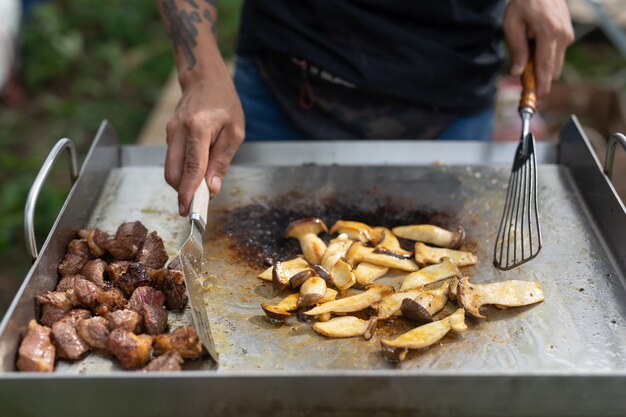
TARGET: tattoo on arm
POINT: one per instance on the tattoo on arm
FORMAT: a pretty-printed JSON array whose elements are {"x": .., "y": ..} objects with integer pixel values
[{"x": 183, "y": 30}]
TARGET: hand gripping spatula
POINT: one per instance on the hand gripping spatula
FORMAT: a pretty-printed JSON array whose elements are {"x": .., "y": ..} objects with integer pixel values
[
  {"x": 191, "y": 256},
  {"x": 519, "y": 234}
]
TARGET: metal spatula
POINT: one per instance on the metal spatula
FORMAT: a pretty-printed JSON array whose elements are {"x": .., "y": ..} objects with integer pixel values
[
  {"x": 191, "y": 256},
  {"x": 519, "y": 233}
]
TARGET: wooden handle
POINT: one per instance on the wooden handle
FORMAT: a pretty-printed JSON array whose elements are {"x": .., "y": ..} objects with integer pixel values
[
  {"x": 200, "y": 202},
  {"x": 529, "y": 83}
]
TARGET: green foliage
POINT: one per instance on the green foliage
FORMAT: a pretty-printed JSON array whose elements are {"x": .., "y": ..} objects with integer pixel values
[{"x": 81, "y": 61}]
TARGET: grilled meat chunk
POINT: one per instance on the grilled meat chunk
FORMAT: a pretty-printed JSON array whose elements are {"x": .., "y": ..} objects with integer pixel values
[
  {"x": 128, "y": 241},
  {"x": 174, "y": 264},
  {"x": 94, "y": 271},
  {"x": 87, "y": 293},
  {"x": 67, "y": 282},
  {"x": 69, "y": 345},
  {"x": 110, "y": 299},
  {"x": 172, "y": 284},
  {"x": 128, "y": 276},
  {"x": 148, "y": 302},
  {"x": 36, "y": 352},
  {"x": 54, "y": 304},
  {"x": 184, "y": 340},
  {"x": 98, "y": 241},
  {"x": 75, "y": 258},
  {"x": 170, "y": 361},
  {"x": 133, "y": 351},
  {"x": 75, "y": 316},
  {"x": 128, "y": 320},
  {"x": 95, "y": 332},
  {"x": 153, "y": 254}
]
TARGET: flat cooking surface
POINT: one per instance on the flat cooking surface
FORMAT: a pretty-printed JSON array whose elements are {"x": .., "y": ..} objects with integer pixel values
[{"x": 579, "y": 328}]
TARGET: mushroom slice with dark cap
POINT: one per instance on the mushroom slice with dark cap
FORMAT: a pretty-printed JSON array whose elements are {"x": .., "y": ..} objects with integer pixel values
[
  {"x": 427, "y": 255},
  {"x": 342, "y": 275},
  {"x": 390, "y": 305},
  {"x": 396, "y": 350},
  {"x": 356, "y": 253},
  {"x": 391, "y": 261},
  {"x": 300, "y": 278},
  {"x": 431, "y": 234},
  {"x": 365, "y": 273},
  {"x": 306, "y": 231},
  {"x": 390, "y": 242},
  {"x": 291, "y": 267},
  {"x": 311, "y": 292},
  {"x": 373, "y": 294},
  {"x": 513, "y": 293},
  {"x": 283, "y": 309},
  {"x": 347, "y": 326},
  {"x": 336, "y": 250},
  {"x": 433, "y": 273},
  {"x": 355, "y": 230},
  {"x": 452, "y": 288},
  {"x": 422, "y": 308}
]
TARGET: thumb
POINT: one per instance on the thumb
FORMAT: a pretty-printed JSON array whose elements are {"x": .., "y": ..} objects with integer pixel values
[{"x": 517, "y": 41}]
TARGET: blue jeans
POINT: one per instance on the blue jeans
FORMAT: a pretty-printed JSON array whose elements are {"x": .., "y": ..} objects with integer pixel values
[{"x": 266, "y": 121}]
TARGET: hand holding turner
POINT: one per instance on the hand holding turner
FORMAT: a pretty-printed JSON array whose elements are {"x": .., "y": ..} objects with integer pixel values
[{"x": 519, "y": 234}]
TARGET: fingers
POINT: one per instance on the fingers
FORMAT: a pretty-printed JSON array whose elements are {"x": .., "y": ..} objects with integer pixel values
[
  {"x": 196, "y": 158},
  {"x": 517, "y": 40},
  {"x": 545, "y": 63},
  {"x": 175, "y": 154},
  {"x": 222, "y": 153}
]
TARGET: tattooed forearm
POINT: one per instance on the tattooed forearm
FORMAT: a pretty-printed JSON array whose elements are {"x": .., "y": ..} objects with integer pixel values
[{"x": 183, "y": 26}]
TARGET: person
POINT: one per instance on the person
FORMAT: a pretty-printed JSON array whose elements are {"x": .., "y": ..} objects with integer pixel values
[{"x": 342, "y": 69}]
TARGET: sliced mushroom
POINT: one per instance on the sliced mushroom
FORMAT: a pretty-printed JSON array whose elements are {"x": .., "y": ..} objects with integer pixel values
[
  {"x": 300, "y": 278},
  {"x": 513, "y": 293},
  {"x": 452, "y": 288},
  {"x": 306, "y": 231},
  {"x": 373, "y": 294},
  {"x": 431, "y": 234},
  {"x": 366, "y": 273},
  {"x": 356, "y": 253},
  {"x": 355, "y": 230},
  {"x": 324, "y": 274},
  {"x": 342, "y": 275},
  {"x": 337, "y": 248},
  {"x": 282, "y": 310},
  {"x": 348, "y": 326},
  {"x": 290, "y": 268},
  {"x": 390, "y": 305},
  {"x": 396, "y": 350},
  {"x": 329, "y": 295},
  {"x": 311, "y": 292},
  {"x": 390, "y": 242},
  {"x": 426, "y": 304},
  {"x": 433, "y": 273},
  {"x": 324, "y": 317},
  {"x": 391, "y": 261},
  {"x": 280, "y": 280},
  {"x": 427, "y": 255}
]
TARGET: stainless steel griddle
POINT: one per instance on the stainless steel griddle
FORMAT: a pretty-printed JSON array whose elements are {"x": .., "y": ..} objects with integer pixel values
[{"x": 566, "y": 356}]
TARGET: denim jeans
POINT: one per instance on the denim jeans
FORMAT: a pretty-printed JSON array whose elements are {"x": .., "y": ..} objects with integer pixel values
[{"x": 266, "y": 121}]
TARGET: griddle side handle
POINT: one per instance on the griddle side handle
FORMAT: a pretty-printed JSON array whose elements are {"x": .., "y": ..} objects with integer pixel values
[
  {"x": 35, "y": 189},
  {"x": 609, "y": 160}
]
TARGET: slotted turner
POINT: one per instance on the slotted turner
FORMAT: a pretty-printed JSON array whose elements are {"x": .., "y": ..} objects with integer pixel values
[{"x": 519, "y": 234}]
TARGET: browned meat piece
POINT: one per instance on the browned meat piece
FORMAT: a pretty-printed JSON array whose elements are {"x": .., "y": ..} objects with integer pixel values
[
  {"x": 98, "y": 241},
  {"x": 133, "y": 351},
  {"x": 128, "y": 241},
  {"x": 148, "y": 302},
  {"x": 69, "y": 345},
  {"x": 87, "y": 293},
  {"x": 67, "y": 282},
  {"x": 94, "y": 271},
  {"x": 75, "y": 316},
  {"x": 175, "y": 265},
  {"x": 172, "y": 284},
  {"x": 111, "y": 299},
  {"x": 170, "y": 361},
  {"x": 153, "y": 254},
  {"x": 83, "y": 233},
  {"x": 128, "y": 277},
  {"x": 75, "y": 258},
  {"x": 128, "y": 320},
  {"x": 95, "y": 332},
  {"x": 54, "y": 304},
  {"x": 36, "y": 352},
  {"x": 184, "y": 340}
]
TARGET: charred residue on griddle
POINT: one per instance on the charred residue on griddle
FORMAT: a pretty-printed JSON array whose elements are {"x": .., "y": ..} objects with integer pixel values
[{"x": 255, "y": 232}]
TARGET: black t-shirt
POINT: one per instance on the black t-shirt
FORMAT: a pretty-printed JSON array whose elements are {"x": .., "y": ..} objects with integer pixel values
[{"x": 440, "y": 54}]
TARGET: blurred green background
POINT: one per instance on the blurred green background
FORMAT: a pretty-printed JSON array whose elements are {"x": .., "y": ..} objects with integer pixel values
[
  {"x": 81, "y": 61},
  {"x": 84, "y": 60}
]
